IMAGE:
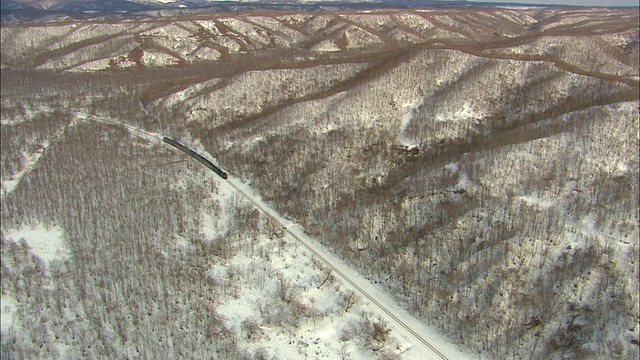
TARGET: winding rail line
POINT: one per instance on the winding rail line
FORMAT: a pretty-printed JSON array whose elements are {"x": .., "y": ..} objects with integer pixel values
[{"x": 302, "y": 242}]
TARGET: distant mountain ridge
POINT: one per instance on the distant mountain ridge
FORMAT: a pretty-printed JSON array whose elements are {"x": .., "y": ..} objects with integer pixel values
[
  {"x": 59, "y": 4},
  {"x": 34, "y": 10},
  {"x": 21, "y": 11}
]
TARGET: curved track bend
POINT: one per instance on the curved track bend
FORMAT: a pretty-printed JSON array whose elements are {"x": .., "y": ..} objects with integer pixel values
[{"x": 400, "y": 318}]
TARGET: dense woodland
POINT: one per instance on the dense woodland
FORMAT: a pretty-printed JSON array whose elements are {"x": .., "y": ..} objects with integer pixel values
[{"x": 485, "y": 172}]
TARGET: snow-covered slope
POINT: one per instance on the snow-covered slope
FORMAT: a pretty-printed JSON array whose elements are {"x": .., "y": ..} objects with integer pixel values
[{"x": 480, "y": 166}]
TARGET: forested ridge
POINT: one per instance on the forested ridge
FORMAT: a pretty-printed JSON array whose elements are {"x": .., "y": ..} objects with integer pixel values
[{"x": 480, "y": 164}]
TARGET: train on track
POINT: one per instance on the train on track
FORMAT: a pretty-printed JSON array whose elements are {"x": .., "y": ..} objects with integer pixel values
[{"x": 195, "y": 155}]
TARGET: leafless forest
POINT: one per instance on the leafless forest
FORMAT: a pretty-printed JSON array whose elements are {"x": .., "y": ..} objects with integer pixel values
[{"x": 481, "y": 164}]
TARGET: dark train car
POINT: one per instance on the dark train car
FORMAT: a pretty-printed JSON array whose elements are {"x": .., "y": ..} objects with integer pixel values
[
  {"x": 196, "y": 156},
  {"x": 210, "y": 165}
]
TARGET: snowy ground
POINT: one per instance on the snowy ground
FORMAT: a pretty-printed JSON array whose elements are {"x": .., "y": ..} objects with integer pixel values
[
  {"x": 334, "y": 320},
  {"x": 320, "y": 336},
  {"x": 44, "y": 241}
]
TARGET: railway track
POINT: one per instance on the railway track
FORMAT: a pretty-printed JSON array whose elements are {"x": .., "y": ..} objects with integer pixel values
[
  {"x": 342, "y": 275},
  {"x": 318, "y": 254}
]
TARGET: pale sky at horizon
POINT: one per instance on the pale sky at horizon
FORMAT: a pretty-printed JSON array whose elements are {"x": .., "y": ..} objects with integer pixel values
[{"x": 570, "y": 2}]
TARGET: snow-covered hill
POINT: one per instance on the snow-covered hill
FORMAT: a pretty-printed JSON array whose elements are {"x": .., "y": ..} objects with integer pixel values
[{"x": 480, "y": 165}]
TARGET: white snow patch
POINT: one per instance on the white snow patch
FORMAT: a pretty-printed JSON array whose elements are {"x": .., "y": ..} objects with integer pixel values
[
  {"x": 589, "y": 223},
  {"x": 406, "y": 121},
  {"x": 326, "y": 46},
  {"x": 533, "y": 200},
  {"x": 463, "y": 114},
  {"x": 8, "y": 185},
  {"x": 452, "y": 167},
  {"x": 7, "y": 317},
  {"x": 215, "y": 225},
  {"x": 518, "y": 7},
  {"x": 95, "y": 65},
  {"x": 621, "y": 170},
  {"x": 45, "y": 242},
  {"x": 156, "y": 58},
  {"x": 464, "y": 182},
  {"x": 358, "y": 38},
  {"x": 208, "y": 224}
]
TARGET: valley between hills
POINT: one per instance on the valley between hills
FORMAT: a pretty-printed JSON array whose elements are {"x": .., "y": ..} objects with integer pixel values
[{"x": 478, "y": 165}]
